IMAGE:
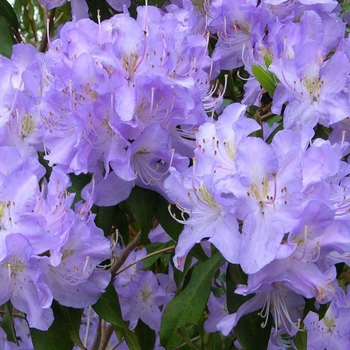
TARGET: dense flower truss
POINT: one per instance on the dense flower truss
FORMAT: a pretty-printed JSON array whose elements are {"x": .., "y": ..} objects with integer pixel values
[
  {"x": 230, "y": 187},
  {"x": 108, "y": 87},
  {"x": 302, "y": 43},
  {"x": 134, "y": 101},
  {"x": 42, "y": 254},
  {"x": 278, "y": 210}
]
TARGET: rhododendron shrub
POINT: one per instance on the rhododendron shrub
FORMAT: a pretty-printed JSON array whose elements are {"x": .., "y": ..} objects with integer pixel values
[{"x": 174, "y": 174}]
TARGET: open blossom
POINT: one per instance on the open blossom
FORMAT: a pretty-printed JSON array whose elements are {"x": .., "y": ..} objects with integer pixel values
[
  {"x": 217, "y": 308},
  {"x": 21, "y": 124},
  {"x": 208, "y": 217},
  {"x": 127, "y": 102},
  {"x": 332, "y": 331},
  {"x": 23, "y": 282},
  {"x": 285, "y": 306},
  {"x": 302, "y": 262},
  {"x": 140, "y": 293},
  {"x": 239, "y": 26},
  {"x": 43, "y": 255},
  {"x": 314, "y": 86},
  {"x": 269, "y": 202}
]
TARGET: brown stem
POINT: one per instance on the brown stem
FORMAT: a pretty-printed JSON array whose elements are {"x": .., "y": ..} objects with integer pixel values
[
  {"x": 95, "y": 345},
  {"x": 123, "y": 256},
  {"x": 43, "y": 44},
  {"x": 14, "y": 314},
  {"x": 264, "y": 109},
  {"x": 105, "y": 336}
]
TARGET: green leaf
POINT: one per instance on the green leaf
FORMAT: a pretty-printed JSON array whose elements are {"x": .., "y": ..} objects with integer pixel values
[
  {"x": 106, "y": 218},
  {"x": 234, "y": 277},
  {"x": 108, "y": 308},
  {"x": 310, "y": 305},
  {"x": 56, "y": 337},
  {"x": 266, "y": 79},
  {"x": 180, "y": 276},
  {"x": 186, "y": 338},
  {"x": 188, "y": 306},
  {"x": 275, "y": 119},
  {"x": 250, "y": 334},
  {"x": 300, "y": 340},
  {"x": 9, "y": 14},
  {"x": 131, "y": 339},
  {"x": 73, "y": 319},
  {"x": 122, "y": 224},
  {"x": 101, "y": 7},
  {"x": 142, "y": 205},
  {"x": 7, "y": 324},
  {"x": 6, "y": 40},
  {"x": 147, "y": 335},
  {"x": 214, "y": 341}
]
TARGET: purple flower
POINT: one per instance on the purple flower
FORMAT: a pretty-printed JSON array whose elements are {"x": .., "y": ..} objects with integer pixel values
[
  {"x": 23, "y": 282},
  {"x": 284, "y": 305},
  {"x": 314, "y": 86},
  {"x": 142, "y": 299},
  {"x": 197, "y": 197},
  {"x": 332, "y": 331},
  {"x": 239, "y": 25},
  {"x": 140, "y": 293},
  {"x": 217, "y": 311},
  {"x": 71, "y": 270},
  {"x": 301, "y": 262},
  {"x": 269, "y": 200}
]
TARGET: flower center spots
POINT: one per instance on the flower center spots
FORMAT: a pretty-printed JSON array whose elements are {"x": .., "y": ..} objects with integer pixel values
[
  {"x": 199, "y": 4},
  {"x": 71, "y": 273},
  {"x": 146, "y": 293},
  {"x": 260, "y": 191},
  {"x": 28, "y": 125},
  {"x": 14, "y": 266},
  {"x": 4, "y": 206},
  {"x": 207, "y": 196},
  {"x": 329, "y": 322},
  {"x": 231, "y": 151},
  {"x": 313, "y": 87},
  {"x": 109, "y": 130},
  {"x": 236, "y": 34},
  {"x": 130, "y": 62},
  {"x": 67, "y": 253},
  {"x": 225, "y": 152},
  {"x": 89, "y": 91}
]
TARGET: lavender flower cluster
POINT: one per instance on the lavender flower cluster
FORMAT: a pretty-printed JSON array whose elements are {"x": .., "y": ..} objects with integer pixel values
[
  {"x": 42, "y": 254},
  {"x": 279, "y": 210},
  {"x": 136, "y": 102}
]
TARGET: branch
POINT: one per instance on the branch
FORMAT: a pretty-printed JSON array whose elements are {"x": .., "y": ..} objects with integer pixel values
[
  {"x": 105, "y": 336},
  {"x": 146, "y": 257},
  {"x": 46, "y": 36},
  {"x": 123, "y": 256}
]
